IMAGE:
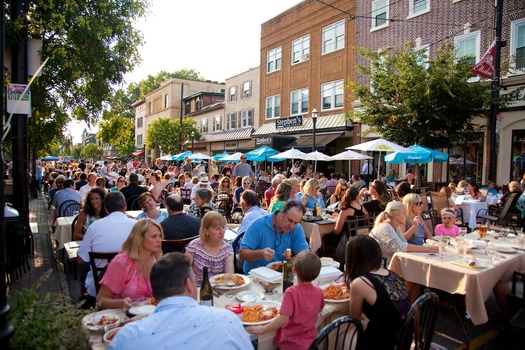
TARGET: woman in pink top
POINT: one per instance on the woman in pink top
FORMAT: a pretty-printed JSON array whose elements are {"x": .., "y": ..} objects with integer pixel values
[
  {"x": 127, "y": 276},
  {"x": 447, "y": 227}
]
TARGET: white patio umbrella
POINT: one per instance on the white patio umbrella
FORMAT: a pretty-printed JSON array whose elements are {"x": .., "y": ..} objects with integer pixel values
[
  {"x": 167, "y": 157},
  {"x": 236, "y": 157},
  {"x": 290, "y": 154},
  {"x": 315, "y": 156},
  {"x": 199, "y": 156},
  {"x": 379, "y": 145},
  {"x": 350, "y": 155}
]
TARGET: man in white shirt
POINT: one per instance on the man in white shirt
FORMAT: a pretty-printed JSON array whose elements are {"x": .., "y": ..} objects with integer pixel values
[
  {"x": 105, "y": 235},
  {"x": 203, "y": 183},
  {"x": 129, "y": 164},
  {"x": 92, "y": 178},
  {"x": 366, "y": 171}
]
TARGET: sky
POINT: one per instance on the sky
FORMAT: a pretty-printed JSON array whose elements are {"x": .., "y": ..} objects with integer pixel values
[{"x": 219, "y": 39}]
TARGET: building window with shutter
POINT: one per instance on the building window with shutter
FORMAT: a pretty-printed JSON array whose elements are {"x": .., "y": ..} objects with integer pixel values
[
  {"x": 231, "y": 120},
  {"x": 217, "y": 123},
  {"x": 204, "y": 125},
  {"x": 246, "y": 89},
  {"x": 332, "y": 95},
  {"x": 517, "y": 45},
  {"x": 273, "y": 107},
  {"x": 273, "y": 60},
  {"x": 380, "y": 11},
  {"x": 299, "y": 102},
  {"x": 334, "y": 37},
  {"x": 246, "y": 118},
  {"x": 232, "y": 97},
  {"x": 301, "y": 49}
]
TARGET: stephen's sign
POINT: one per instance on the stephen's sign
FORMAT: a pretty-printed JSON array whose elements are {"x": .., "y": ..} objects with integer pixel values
[
  {"x": 289, "y": 122},
  {"x": 261, "y": 141}
]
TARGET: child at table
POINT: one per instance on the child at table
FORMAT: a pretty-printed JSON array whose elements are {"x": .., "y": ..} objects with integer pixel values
[
  {"x": 301, "y": 305},
  {"x": 447, "y": 227}
]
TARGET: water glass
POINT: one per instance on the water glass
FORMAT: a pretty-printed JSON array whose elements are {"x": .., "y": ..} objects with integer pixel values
[
  {"x": 462, "y": 232},
  {"x": 442, "y": 248},
  {"x": 521, "y": 241}
]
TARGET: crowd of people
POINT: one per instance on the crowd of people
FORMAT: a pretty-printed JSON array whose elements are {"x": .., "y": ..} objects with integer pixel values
[{"x": 269, "y": 224}]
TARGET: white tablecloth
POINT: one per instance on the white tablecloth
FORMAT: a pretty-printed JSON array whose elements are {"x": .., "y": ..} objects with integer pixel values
[
  {"x": 470, "y": 209},
  {"x": 314, "y": 232},
  {"x": 492, "y": 199},
  {"x": 63, "y": 230}
]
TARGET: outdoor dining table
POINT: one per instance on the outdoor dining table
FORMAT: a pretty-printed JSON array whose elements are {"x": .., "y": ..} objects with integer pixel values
[
  {"x": 330, "y": 312},
  {"x": 63, "y": 230},
  {"x": 470, "y": 209},
  {"x": 455, "y": 276},
  {"x": 315, "y": 230}
]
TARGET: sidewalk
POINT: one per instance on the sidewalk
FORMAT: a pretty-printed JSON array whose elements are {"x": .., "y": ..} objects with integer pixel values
[{"x": 42, "y": 262}]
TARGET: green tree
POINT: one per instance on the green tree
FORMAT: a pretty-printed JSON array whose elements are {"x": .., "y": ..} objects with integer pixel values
[
  {"x": 91, "y": 150},
  {"x": 152, "y": 82},
  {"x": 164, "y": 133},
  {"x": 408, "y": 103},
  {"x": 76, "y": 150}
]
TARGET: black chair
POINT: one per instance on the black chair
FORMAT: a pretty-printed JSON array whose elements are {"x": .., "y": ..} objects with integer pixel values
[
  {"x": 223, "y": 201},
  {"x": 169, "y": 187},
  {"x": 504, "y": 216},
  {"x": 98, "y": 272},
  {"x": 176, "y": 245},
  {"x": 185, "y": 193},
  {"x": 133, "y": 203},
  {"x": 69, "y": 207},
  {"x": 516, "y": 303},
  {"x": 237, "y": 262},
  {"x": 420, "y": 321},
  {"x": 342, "y": 333}
]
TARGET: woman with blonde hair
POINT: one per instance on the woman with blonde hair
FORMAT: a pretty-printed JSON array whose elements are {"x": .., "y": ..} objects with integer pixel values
[
  {"x": 294, "y": 196},
  {"x": 282, "y": 194},
  {"x": 210, "y": 249},
  {"x": 387, "y": 231},
  {"x": 127, "y": 276},
  {"x": 311, "y": 195},
  {"x": 415, "y": 230}
]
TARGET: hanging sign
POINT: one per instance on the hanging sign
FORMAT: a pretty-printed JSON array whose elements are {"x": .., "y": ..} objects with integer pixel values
[
  {"x": 18, "y": 102},
  {"x": 289, "y": 122}
]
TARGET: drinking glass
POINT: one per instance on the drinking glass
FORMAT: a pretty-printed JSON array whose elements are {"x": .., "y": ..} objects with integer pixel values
[
  {"x": 482, "y": 231},
  {"x": 505, "y": 233},
  {"x": 521, "y": 241},
  {"x": 462, "y": 232},
  {"x": 491, "y": 252},
  {"x": 442, "y": 248}
]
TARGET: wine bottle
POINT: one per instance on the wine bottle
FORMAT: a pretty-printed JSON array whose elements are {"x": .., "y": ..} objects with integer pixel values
[
  {"x": 206, "y": 293},
  {"x": 287, "y": 270}
]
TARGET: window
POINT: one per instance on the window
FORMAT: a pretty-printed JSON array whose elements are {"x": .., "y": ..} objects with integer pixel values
[
  {"x": 418, "y": 7},
  {"x": 204, "y": 125},
  {"x": 232, "y": 97},
  {"x": 273, "y": 60},
  {"x": 379, "y": 14},
  {"x": 139, "y": 122},
  {"x": 139, "y": 140},
  {"x": 517, "y": 44},
  {"x": 231, "y": 121},
  {"x": 246, "y": 118},
  {"x": 246, "y": 89},
  {"x": 187, "y": 108},
  {"x": 424, "y": 57},
  {"x": 334, "y": 37},
  {"x": 166, "y": 101},
  {"x": 217, "y": 123},
  {"x": 301, "y": 49},
  {"x": 332, "y": 95},
  {"x": 467, "y": 46},
  {"x": 273, "y": 107},
  {"x": 299, "y": 102},
  {"x": 198, "y": 103}
]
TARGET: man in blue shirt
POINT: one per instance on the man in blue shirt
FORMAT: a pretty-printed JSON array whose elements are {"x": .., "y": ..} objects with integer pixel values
[
  {"x": 269, "y": 236},
  {"x": 179, "y": 322}
]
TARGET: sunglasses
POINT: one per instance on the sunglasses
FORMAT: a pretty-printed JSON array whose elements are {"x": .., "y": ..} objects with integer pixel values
[
  {"x": 121, "y": 180},
  {"x": 418, "y": 203},
  {"x": 246, "y": 183}
]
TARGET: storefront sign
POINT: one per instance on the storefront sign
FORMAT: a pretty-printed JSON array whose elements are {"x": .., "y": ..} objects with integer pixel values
[
  {"x": 515, "y": 96},
  {"x": 261, "y": 141},
  {"x": 289, "y": 122},
  {"x": 230, "y": 145}
]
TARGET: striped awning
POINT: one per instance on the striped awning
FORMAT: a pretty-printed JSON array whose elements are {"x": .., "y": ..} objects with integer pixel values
[
  {"x": 330, "y": 122},
  {"x": 240, "y": 134}
]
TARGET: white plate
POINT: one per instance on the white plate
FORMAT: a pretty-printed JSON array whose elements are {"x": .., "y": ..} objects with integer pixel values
[
  {"x": 142, "y": 310},
  {"x": 93, "y": 320},
  {"x": 223, "y": 286},
  {"x": 472, "y": 235},
  {"x": 334, "y": 300},
  {"x": 479, "y": 265},
  {"x": 264, "y": 304},
  {"x": 250, "y": 296},
  {"x": 506, "y": 250},
  {"x": 111, "y": 333}
]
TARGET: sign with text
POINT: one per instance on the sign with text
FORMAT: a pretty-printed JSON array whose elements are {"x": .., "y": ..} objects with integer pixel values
[
  {"x": 262, "y": 141},
  {"x": 289, "y": 122},
  {"x": 14, "y": 94}
]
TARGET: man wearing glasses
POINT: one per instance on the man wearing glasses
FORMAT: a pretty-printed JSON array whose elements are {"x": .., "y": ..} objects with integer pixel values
[
  {"x": 267, "y": 238},
  {"x": 244, "y": 169}
]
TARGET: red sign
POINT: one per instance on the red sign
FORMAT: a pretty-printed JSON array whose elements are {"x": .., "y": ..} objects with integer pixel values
[{"x": 485, "y": 67}]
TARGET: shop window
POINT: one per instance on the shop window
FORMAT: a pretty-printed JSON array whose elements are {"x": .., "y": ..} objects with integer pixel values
[{"x": 517, "y": 161}]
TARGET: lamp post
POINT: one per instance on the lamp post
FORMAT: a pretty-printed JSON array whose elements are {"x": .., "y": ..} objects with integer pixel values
[
  {"x": 192, "y": 140},
  {"x": 144, "y": 151},
  {"x": 314, "y": 121}
]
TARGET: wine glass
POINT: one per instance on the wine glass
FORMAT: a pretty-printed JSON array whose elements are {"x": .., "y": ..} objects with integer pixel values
[
  {"x": 442, "y": 248},
  {"x": 505, "y": 233},
  {"x": 462, "y": 232},
  {"x": 491, "y": 252}
]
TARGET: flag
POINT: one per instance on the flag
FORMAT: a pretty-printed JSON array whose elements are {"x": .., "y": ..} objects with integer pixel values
[{"x": 485, "y": 67}]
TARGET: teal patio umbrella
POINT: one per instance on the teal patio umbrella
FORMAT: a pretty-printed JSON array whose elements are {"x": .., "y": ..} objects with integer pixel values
[
  {"x": 181, "y": 156},
  {"x": 219, "y": 156},
  {"x": 261, "y": 154}
]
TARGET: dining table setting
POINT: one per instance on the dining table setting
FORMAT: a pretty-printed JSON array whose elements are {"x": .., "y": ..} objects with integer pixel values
[{"x": 315, "y": 227}]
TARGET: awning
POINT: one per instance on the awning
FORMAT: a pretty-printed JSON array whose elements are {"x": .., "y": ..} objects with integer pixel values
[
  {"x": 321, "y": 140},
  {"x": 228, "y": 135},
  {"x": 138, "y": 154}
]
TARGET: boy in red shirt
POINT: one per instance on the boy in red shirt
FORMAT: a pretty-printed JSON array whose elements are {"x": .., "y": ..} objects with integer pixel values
[{"x": 301, "y": 305}]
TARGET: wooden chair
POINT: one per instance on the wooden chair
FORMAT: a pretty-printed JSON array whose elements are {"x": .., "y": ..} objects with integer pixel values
[
  {"x": 176, "y": 245},
  {"x": 224, "y": 203},
  {"x": 98, "y": 272},
  {"x": 419, "y": 324},
  {"x": 237, "y": 262},
  {"x": 439, "y": 201},
  {"x": 185, "y": 193},
  {"x": 69, "y": 207},
  {"x": 504, "y": 216},
  {"x": 516, "y": 313},
  {"x": 341, "y": 333}
]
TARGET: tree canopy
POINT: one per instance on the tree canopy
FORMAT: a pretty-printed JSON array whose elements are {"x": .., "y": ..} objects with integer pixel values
[
  {"x": 409, "y": 103},
  {"x": 91, "y": 150},
  {"x": 164, "y": 133}
]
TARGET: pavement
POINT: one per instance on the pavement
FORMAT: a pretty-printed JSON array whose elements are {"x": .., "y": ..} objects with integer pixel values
[{"x": 53, "y": 279}]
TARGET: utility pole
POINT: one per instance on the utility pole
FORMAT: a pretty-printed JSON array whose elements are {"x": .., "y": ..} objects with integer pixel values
[{"x": 494, "y": 108}]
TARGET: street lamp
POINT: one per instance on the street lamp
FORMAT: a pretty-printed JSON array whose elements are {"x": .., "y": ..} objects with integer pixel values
[
  {"x": 192, "y": 140},
  {"x": 314, "y": 121},
  {"x": 144, "y": 151}
]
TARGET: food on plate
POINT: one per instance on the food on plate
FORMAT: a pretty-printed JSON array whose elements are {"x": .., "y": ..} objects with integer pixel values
[
  {"x": 153, "y": 301},
  {"x": 105, "y": 320},
  {"x": 277, "y": 266},
  {"x": 326, "y": 260},
  {"x": 336, "y": 292},
  {"x": 108, "y": 337},
  {"x": 472, "y": 263},
  {"x": 221, "y": 280},
  {"x": 258, "y": 313}
]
